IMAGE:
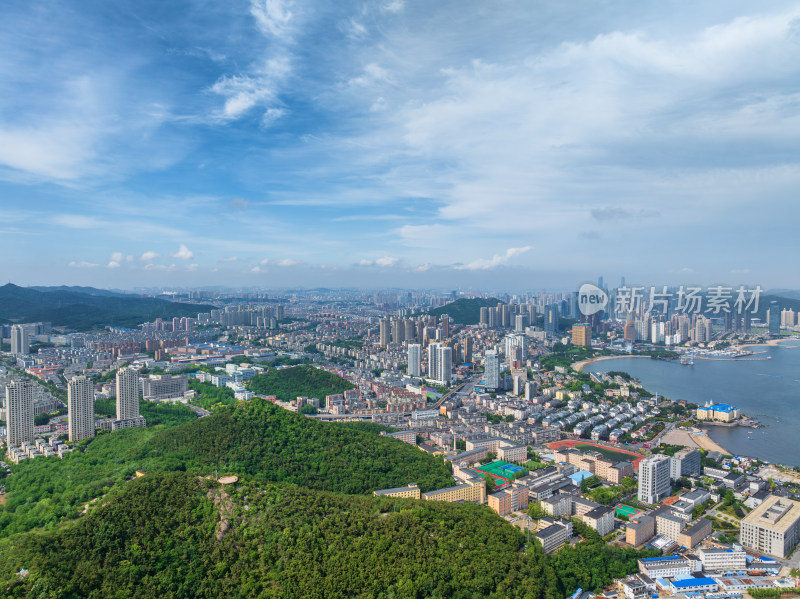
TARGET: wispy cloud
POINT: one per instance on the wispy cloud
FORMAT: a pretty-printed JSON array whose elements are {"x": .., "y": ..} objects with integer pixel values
[
  {"x": 82, "y": 264},
  {"x": 149, "y": 256},
  {"x": 494, "y": 261}
]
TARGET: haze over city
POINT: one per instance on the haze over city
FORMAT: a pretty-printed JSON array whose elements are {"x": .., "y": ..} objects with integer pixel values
[{"x": 278, "y": 143}]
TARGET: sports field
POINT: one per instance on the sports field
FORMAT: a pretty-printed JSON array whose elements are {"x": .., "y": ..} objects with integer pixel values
[
  {"x": 502, "y": 472},
  {"x": 617, "y": 456},
  {"x": 583, "y": 445},
  {"x": 626, "y": 510}
]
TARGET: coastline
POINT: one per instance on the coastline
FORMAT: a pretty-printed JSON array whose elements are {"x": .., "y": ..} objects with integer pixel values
[
  {"x": 579, "y": 365},
  {"x": 770, "y": 343},
  {"x": 694, "y": 437}
]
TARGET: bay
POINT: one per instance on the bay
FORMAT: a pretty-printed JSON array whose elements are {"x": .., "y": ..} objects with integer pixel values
[{"x": 766, "y": 389}]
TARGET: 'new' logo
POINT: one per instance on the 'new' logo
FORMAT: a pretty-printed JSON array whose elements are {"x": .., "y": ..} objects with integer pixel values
[{"x": 591, "y": 299}]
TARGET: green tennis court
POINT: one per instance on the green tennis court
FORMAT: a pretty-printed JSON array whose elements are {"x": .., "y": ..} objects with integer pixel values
[
  {"x": 502, "y": 472},
  {"x": 626, "y": 510}
]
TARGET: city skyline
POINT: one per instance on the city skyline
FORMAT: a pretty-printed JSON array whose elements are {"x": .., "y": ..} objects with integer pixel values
[{"x": 272, "y": 143}]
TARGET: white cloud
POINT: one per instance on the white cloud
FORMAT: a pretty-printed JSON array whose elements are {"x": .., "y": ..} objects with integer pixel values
[
  {"x": 192, "y": 267},
  {"x": 128, "y": 258},
  {"x": 82, "y": 264},
  {"x": 116, "y": 257},
  {"x": 394, "y": 6},
  {"x": 386, "y": 261},
  {"x": 183, "y": 253},
  {"x": 365, "y": 262},
  {"x": 494, "y": 261},
  {"x": 273, "y": 17},
  {"x": 162, "y": 267},
  {"x": 149, "y": 256},
  {"x": 229, "y": 259},
  {"x": 256, "y": 269},
  {"x": 264, "y": 262},
  {"x": 423, "y": 267},
  {"x": 288, "y": 262},
  {"x": 113, "y": 264}
]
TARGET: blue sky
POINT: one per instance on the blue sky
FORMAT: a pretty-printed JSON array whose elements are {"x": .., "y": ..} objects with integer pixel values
[{"x": 462, "y": 144}]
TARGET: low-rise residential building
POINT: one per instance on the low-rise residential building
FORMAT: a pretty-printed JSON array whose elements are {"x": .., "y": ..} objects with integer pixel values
[
  {"x": 669, "y": 525},
  {"x": 694, "y": 585},
  {"x": 600, "y": 519},
  {"x": 640, "y": 530},
  {"x": 473, "y": 489},
  {"x": 509, "y": 500},
  {"x": 554, "y": 534},
  {"x": 695, "y": 533},
  {"x": 665, "y": 567},
  {"x": 638, "y": 586},
  {"x": 558, "y": 505},
  {"x": 410, "y": 491},
  {"x": 409, "y": 437},
  {"x": 722, "y": 559}
]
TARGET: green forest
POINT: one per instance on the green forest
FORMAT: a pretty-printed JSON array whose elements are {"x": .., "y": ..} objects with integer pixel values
[
  {"x": 177, "y": 535},
  {"x": 255, "y": 438},
  {"x": 465, "y": 310},
  {"x": 289, "y": 383}
]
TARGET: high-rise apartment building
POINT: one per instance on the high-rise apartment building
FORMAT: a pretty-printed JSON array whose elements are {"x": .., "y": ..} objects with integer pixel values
[
  {"x": 654, "y": 481},
  {"x": 440, "y": 362},
  {"x": 19, "y": 412},
  {"x": 80, "y": 408},
  {"x": 685, "y": 462},
  {"x": 385, "y": 331},
  {"x": 582, "y": 334},
  {"x": 415, "y": 359},
  {"x": 127, "y": 393},
  {"x": 20, "y": 340},
  {"x": 445, "y": 372},
  {"x": 492, "y": 370},
  {"x": 774, "y": 318},
  {"x": 398, "y": 331},
  {"x": 551, "y": 319}
]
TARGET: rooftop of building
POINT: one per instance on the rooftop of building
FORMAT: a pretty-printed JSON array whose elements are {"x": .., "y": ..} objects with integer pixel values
[
  {"x": 409, "y": 487},
  {"x": 693, "y": 582},
  {"x": 776, "y": 513}
]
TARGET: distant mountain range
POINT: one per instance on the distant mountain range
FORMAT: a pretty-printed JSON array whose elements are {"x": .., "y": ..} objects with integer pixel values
[{"x": 85, "y": 308}]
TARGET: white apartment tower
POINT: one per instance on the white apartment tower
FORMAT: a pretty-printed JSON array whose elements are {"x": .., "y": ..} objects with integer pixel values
[
  {"x": 654, "y": 481},
  {"x": 492, "y": 370},
  {"x": 415, "y": 359},
  {"x": 127, "y": 393},
  {"x": 19, "y": 412},
  {"x": 20, "y": 340},
  {"x": 445, "y": 371},
  {"x": 80, "y": 408}
]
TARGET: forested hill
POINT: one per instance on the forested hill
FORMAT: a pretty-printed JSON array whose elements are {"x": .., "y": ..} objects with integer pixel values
[
  {"x": 289, "y": 383},
  {"x": 261, "y": 439},
  {"x": 178, "y": 535},
  {"x": 465, "y": 310},
  {"x": 255, "y": 438},
  {"x": 84, "y": 311}
]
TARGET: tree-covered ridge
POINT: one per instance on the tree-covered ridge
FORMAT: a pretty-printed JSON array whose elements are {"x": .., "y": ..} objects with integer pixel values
[
  {"x": 465, "y": 310},
  {"x": 162, "y": 537},
  {"x": 289, "y": 383},
  {"x": 83, "y": 311},
  {"x": 262, "y": 439},
  {"x": 255, "y": 438}
]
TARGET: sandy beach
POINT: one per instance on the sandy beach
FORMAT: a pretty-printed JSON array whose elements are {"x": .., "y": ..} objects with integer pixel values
[
  {"x": 693, "y": 438},
  {"x": 582, "y": 363},
  {"x": 771, "y": 342}
]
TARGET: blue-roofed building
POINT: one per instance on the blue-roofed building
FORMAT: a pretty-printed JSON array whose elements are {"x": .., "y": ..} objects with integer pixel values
[
  {"x": 580, "y": 476},
  {"x": 694, "y": 585},
  {"x": 721, "y": 412}
]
